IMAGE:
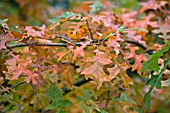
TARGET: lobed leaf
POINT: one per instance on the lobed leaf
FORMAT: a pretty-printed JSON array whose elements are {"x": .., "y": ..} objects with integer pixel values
[{"x": 152, "y": 63}]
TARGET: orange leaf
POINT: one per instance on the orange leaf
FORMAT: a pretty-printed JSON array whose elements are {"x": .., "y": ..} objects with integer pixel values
[
  {"x": 113, "y": 72},
  {"x": 97, "y": 71}
]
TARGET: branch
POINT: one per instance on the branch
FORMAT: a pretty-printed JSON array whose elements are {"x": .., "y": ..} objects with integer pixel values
[
  {"x": 38, "y": 44},
  {"x": 150, "y": 52},
  {"x": 35, "y": 93},
  {"x": 67, "y": 39},
  {"x": 91, "y": 35},
  {"x": 80, "y": 82},
  {"x": 78, "y": 44},
  {"x": 18, "y": 84}
]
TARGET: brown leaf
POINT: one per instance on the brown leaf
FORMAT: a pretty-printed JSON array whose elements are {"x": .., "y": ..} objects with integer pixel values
[
  {"x": 100, "y": 57},
  {"x": 113, "y": 72},
  {"x": 126, "y": 79},
  {"x": 97, "y": 71},
  {"x": 79, "y": 50},
  {"x": 60, "y": 55}
]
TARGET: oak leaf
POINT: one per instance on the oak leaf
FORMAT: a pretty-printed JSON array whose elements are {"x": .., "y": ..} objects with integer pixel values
[
  {"x": 16, "y": 67},
  {"x": 97, "y": 71},
  {"x": 113, "y": 72},
  {"x": 79, "y": 50},
  {"x": 97, "y": 68},
  {"x": 3, "y": 41}
]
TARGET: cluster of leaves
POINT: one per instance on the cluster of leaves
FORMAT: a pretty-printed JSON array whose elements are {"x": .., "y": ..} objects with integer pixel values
[{"x": 80, "y": 61}]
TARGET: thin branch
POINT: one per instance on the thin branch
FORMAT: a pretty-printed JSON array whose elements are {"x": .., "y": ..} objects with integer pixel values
[
  {"x": 12, "y": 87},
  {"x": 38, "y": 44},
  {"x": 80, "y": 82},
  {"x": 91, "y": 35},
  {"x": 150, "y": 52},
  {"x": 35, "y": 93},
  {"x": 18, "y": 84},
  {"x": 67, "y": 39}
]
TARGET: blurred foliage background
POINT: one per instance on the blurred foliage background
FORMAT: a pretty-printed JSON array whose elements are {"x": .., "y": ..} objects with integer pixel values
[{"x": 36, "y": 12}]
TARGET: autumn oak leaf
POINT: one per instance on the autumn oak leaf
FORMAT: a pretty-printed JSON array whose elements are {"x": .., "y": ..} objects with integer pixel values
[
  {"x": 97, "y": 68},
  {"x": 16, "y": 67}
]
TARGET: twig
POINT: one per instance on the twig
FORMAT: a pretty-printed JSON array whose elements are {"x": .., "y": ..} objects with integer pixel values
[
  {"x": 18, "y": 84},
  {"x": 12, "y": 87},
  {"x": 38, "y": 44},
  {"x": 80, "y": 82},
  {"x": 150, "y": 52},
  {"x": 91, "y": 35},
  {"x": 35, "y": 93},
  {"x": 108, "y": 96},
  {"x": 66, "y": 39}
]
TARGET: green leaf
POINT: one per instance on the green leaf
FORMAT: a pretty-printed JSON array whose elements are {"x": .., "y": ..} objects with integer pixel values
[
  {"x": 58, "y": 102},
  {"x": 85, "y": 108},
  {"x": 154, "y": 81},
  {"x": 123, "y": 97},
  {"x": 63, "y": 15},
  {"x": 64, "y": 103},
  {"x": 121, "y": 28},
  {"x": 152, "y": 63},
  {"x": 2, "y": 22},
  {"x": 62, "y": 111},
  {"x": 53, "y": 93},
  {"x": 95, "y": 7},
  {"x": 103, "y": 111},
  {"x": 147, "y": 99},
  {"x": 4, "y": 97},
  {"x": 54, "y": 105}
]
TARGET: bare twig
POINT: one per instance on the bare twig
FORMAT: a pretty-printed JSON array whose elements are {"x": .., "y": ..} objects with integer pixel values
[
  {"x": 91, "y": 35},
  {"x": 35, "y": 93}
]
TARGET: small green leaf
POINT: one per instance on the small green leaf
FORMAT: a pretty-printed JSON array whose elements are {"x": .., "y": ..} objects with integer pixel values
[
  {"x": 62, "y": 111},
  {"x": 64, "y": 15},
  {"x": 2, "y": 22},
  {"x": 123, "y": 97},
  {"x": 95, "y": 7},
  {"x": 103, "y": 111},
  {"x": 152, "y": 63},
  {"x": 54, "y": 105},
  {"x": 121, "y": 28}
]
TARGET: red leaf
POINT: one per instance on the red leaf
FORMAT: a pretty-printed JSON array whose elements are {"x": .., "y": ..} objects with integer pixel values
[
  {"x": 100, "y": 57},
  {"x": 32, "y": 32},
  {"x": 18, "y": 67},
  {"x": 79, "y": 50},
  {"x": 3, "y": 41}
]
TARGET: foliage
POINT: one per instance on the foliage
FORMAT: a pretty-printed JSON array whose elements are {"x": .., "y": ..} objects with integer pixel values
[{"x": 98, "y": 58}]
